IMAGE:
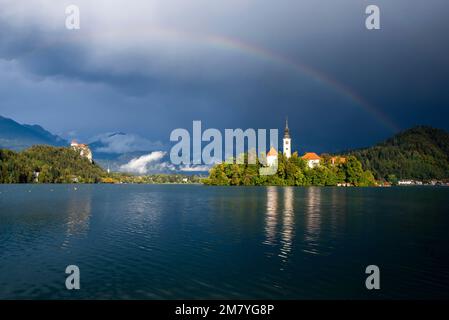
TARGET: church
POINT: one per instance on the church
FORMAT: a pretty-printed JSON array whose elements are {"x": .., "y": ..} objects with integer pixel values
[{"x": 311, "y": 158}]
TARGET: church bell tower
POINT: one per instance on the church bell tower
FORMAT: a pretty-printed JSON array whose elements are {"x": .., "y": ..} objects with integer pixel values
[{"x": 287, "y": 141}]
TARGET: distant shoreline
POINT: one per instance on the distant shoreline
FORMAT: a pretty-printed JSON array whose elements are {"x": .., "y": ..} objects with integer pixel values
[{"x": 228, "y": 186}]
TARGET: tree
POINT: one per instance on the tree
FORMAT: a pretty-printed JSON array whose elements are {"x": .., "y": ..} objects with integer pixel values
[
  {"x": 218, "y": 176},
  {"x": 236, "y": 174},
  {"x": 366, "y": 179},
  {"x": 354, "y": 170},
  {"x": 391, "y": 178},
  {"x": 291, "y": 172},
  {"x": 54, "y": 164}
]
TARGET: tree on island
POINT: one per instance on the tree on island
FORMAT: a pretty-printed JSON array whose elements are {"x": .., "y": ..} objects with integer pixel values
[{"x": 291, "y": 172}]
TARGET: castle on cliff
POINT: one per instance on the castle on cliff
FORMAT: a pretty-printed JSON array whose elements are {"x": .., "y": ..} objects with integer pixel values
[{"x": 83, "y": 150}]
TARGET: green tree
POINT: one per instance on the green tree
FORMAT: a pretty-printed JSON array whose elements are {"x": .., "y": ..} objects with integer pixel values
[
  {"x": 391, "y": 178},
  {"x": 218, "y": 176},
  {"x": 291, "y": 172}
]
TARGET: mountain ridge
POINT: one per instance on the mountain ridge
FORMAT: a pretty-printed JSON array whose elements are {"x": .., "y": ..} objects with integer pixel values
[
  {"x": 421, "y": 152},
  {"x": 16, "y": 136}
]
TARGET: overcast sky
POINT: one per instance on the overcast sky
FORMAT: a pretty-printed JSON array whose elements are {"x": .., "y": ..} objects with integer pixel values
[{"x": 148, "y": 67}]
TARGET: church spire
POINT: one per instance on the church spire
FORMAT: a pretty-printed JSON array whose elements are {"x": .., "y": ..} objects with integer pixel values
[
  {"x": 287, "y": 140},
  {"x": 286, "y": 130}
]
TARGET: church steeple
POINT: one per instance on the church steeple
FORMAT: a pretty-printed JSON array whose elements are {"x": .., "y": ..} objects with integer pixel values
[
  {"x": 287, "y": 141},
  {"x": 286, "y": 130}
]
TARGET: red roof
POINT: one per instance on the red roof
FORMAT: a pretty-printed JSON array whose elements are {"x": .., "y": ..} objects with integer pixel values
[
  {"x": 272, "y": 152},
  {"x": 311, "y": 156}
]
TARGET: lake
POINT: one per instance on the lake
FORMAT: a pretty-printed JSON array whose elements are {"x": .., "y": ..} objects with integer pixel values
[{"x": 198, "y": 242}]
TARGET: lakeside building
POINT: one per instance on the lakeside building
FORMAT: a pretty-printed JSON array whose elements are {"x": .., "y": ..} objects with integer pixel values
[
  {"x": 312, "y": 159},
  {"x": 410, "y": 182},
  {"x": 83, "y": 150},
  {"x": 272, "y": 157}
]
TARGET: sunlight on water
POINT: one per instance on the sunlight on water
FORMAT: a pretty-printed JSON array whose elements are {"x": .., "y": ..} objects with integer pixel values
[
  {"x": 193, "y": 242},
  {"x": 288, "y": 224},
  {"x": 271, "y": 216}
]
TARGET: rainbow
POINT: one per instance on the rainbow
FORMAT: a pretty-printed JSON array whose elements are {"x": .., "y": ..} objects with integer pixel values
[
  {"x": 138, "y": 33},
  {"x": 305, "y": 69}
]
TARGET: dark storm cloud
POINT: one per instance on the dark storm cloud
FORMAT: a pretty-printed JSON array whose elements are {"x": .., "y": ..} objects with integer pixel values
[
  {"x": 45, "y": 56},
  {"x": 153, "y": 66}
]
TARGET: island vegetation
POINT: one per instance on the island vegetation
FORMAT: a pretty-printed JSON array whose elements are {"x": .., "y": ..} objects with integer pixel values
[{"x": 292, "y": 172}]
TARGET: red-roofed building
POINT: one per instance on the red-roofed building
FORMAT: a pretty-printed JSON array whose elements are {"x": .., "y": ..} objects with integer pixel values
[{"x": 312, "y": 159}]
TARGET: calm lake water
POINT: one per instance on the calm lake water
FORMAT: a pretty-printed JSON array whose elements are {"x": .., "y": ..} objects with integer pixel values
[{"x": 189, "y": 242}]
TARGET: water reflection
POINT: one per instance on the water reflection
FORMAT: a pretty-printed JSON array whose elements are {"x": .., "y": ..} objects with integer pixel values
[
  {"x": 288, "y": 223},
  {"x": 202, "y": 247},
  {"x": 271, "y": 215},
  {"x": 271, "y": 220},
  {"x": 337, "y": 212},
  {"x": 313, "y": 219},
  {"x": 78, "y": 213}
]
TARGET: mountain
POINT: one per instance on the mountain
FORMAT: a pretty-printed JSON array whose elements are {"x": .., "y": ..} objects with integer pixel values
[
  {"x": 420, "y": 153},
  {"x": 110, "y": 150},
  {"x": 16, "y": 136}
]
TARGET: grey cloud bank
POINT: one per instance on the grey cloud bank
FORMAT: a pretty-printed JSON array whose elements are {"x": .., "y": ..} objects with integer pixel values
[{"x": 147, "y": 67}]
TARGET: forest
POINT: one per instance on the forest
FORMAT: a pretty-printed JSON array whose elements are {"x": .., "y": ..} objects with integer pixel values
[
  {"x": 292, "y": 172},
  {"x": 420, "y": 153},
  {"x": 47, "y": 164}
]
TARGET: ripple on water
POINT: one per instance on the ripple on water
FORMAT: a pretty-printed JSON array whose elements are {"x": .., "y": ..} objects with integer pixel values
[{"x": 175, "y": 242}]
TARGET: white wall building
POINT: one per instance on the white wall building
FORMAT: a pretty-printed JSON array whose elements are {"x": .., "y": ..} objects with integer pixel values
[
  {"x": 312, "y": 159},
  {"x": 272, "y": 157},
  {"x": 287, "y": 141}
]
